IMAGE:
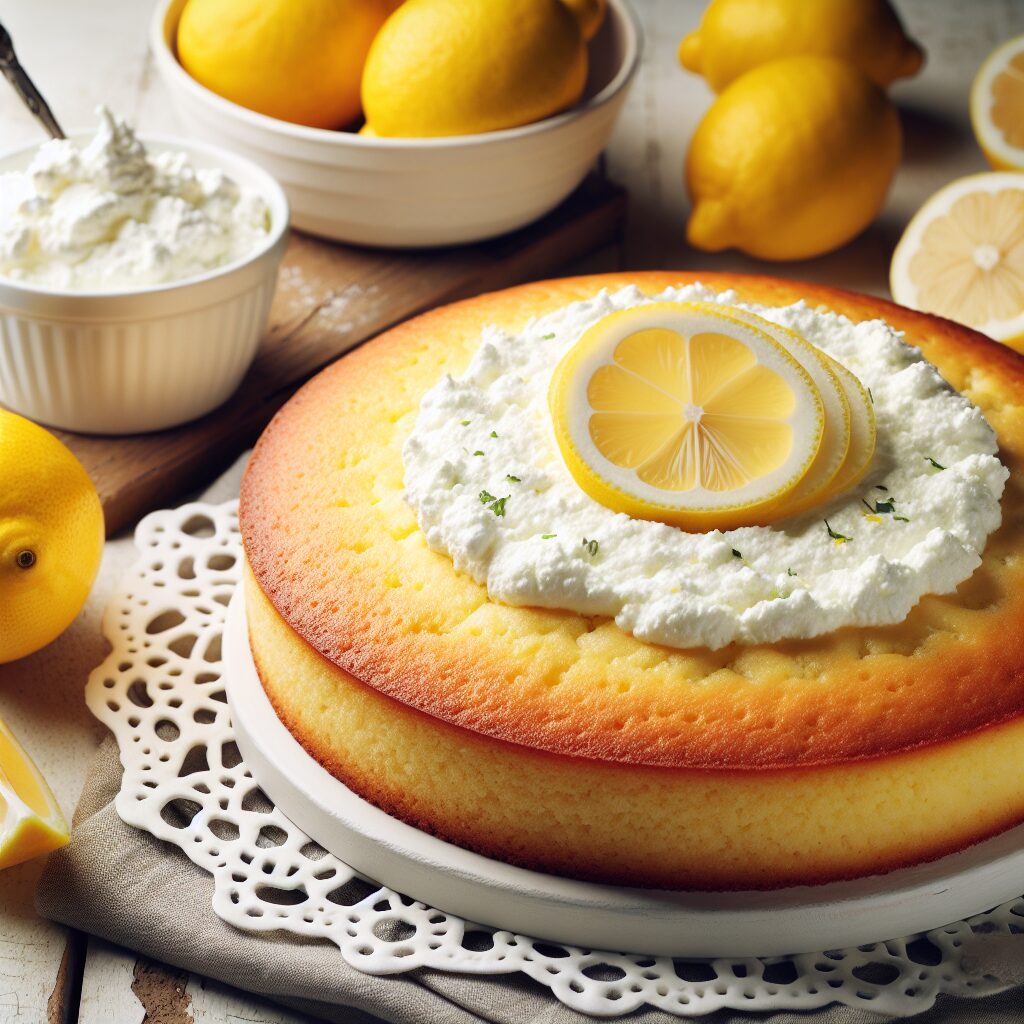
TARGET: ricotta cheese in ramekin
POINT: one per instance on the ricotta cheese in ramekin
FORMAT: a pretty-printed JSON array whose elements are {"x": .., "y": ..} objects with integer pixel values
[
  {"x": 110, "y": 216},
  {"x": 915, "y": 525}
]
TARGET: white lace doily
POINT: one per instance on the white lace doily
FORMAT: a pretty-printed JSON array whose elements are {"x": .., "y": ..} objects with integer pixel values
[{"x": 160, "y": 692}]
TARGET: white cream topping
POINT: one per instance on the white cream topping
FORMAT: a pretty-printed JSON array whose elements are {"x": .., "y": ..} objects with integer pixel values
[
  {"x": 752, "y": 585},
  {"x": 110, "y": 216}
]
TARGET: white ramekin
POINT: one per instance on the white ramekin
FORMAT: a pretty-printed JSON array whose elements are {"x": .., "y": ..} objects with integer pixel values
[
  {"x": 416, "y": 192},
  {"x": 145, "y": 359}
]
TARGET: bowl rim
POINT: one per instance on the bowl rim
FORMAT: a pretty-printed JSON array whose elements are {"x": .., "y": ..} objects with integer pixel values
[
  {"x": 264, "y": 182},
  {"x": 169, "y": 65}
]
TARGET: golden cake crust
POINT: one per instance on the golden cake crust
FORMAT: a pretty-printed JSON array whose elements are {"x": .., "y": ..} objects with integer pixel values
[{"x": 337, "y": 551}]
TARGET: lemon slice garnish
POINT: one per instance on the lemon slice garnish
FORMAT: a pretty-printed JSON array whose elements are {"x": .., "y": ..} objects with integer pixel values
[
  {"x": 863, "y": 431},
  {"x": 997, "y": 106},
  {"x": 681, "y": 413},
  {"x": 31, "y": 822},
  {"x": 818, "y": 483},
  {"x": 962, "y": 256}
]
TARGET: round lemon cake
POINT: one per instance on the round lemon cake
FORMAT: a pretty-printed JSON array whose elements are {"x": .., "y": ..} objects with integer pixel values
[{"x": 588, "y": 739}]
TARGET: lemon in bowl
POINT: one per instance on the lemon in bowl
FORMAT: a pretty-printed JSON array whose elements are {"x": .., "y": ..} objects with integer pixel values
[
  {"x": 298, "y": 60},
  {"x": 445, "y": 67},
  {"x": 411, "y": 192}
]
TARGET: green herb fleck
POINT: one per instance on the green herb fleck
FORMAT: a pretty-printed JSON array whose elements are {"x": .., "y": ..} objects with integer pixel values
[
  {"x": 901, "y": 519},
  {"x": 494, "y": 433},
  {"x": 496, "y": 505},
  {"x": 871, "y": 396},
  {"x": 839, "y": 538},
  {"x": 512, "y": 479},
  {"x": 478, "y": 452},
  {"x": 466, "y": 423},
  {"x": 881, "y": 487},
  {"x": 547, "y": 337},
  {"x": 937, "y": 465},
  {"x": 736, "y": 554},
  {"x": 881, "y": 508},
  {"x": 591, "y": 545},
  {"x": 548, "y": 536},
  {"x": 789, "y": 572}
]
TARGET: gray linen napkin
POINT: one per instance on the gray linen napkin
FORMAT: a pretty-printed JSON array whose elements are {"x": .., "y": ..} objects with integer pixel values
[{"x": 124, "y": 885}]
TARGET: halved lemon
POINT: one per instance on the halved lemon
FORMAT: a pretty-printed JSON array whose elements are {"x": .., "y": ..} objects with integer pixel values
[
  {"x": 31, "y": 822},
  {"x": 680, "y": 413},
  {"x": 962, "y": 256},
  {"x": 997, "y": 106},
  {"x": 836, "y": 437}
]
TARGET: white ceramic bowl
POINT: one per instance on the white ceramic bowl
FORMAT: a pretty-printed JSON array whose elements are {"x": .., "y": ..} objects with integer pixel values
[
  {"x": 416, "y": 192},
  {"x": 148, "y": 358}
]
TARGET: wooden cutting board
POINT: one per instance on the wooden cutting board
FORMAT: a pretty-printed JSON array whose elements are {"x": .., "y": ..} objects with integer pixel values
[{"x": 330, "y": 298}]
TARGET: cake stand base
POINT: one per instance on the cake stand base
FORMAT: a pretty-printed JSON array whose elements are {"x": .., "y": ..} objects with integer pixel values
[{"x": 681, "y": 924}]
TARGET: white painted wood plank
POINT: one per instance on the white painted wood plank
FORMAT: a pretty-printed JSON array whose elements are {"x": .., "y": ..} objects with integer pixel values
[
  {"x": 30, "y": 950},
  {"x": 215, "y": 1003},
  {"x": 107, "y": 996}
]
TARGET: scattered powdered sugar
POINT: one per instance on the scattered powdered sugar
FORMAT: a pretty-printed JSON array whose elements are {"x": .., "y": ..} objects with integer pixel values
[
  {"x": 111, "y": 216},
  {"x": 551, "y": 545}
]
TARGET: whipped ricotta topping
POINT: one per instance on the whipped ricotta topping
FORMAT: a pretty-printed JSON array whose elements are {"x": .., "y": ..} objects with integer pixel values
[
  {"x": 110, "y": 216},
  {"x": 553, "y": 546}
]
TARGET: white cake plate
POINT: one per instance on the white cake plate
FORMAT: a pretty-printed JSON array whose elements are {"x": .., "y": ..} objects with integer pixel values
[{"x": 797, "y": 920}]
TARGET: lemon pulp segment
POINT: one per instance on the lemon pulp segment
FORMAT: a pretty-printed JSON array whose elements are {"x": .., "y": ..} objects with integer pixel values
[
  {"x": 30, "y": 819},
  {"x": 962, "y": 255},
  {"x": 678, "y": 412}
]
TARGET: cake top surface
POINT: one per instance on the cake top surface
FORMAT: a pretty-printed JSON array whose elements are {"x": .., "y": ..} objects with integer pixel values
[
  {"x": 335, "y": 546},
  {"x": 490, "y": 489}
]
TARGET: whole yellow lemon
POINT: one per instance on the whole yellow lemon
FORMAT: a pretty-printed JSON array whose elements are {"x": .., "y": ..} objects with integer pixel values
[
  {"x": 51, "y": 537},
  {"x": 589, "y": 14},
  {"x": 737, "y": 35},
  {"x": 297, "y": 60},
  {"x": 459, "y": 67},
  {"x": 792, "y": 160}
]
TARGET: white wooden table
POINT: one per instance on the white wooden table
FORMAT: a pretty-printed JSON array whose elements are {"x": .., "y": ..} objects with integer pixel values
[{"x": 82, "y": 54}]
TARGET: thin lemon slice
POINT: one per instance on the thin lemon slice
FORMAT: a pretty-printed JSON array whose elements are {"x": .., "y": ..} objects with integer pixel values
[
  {"x": 863, "y": 430},
  {"x": 962, "y": 256},
  {"x": 678, "y": 412},
  {"x": 31, "y": 822},
  {"x": 997, "y": 106},
  {"x": 835, "y": 441}
]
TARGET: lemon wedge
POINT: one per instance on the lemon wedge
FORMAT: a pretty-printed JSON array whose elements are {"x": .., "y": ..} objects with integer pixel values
[
  {"x": 681, "y": 413},
  {"x": 962, "y": 256},
  {"x": 997, "y": 106},
  {"x": 31, "y": 822}
]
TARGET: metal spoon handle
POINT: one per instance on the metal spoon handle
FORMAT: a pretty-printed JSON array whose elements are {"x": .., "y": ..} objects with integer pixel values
[{"x": 23, "y": 86}]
